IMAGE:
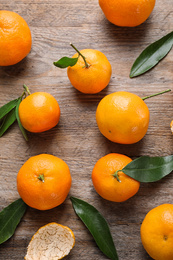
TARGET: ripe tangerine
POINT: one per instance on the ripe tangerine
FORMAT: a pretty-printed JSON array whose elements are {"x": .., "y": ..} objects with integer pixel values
[
  {"x": 15, "y": 38},
  {"x": 157, "y": 232},
  {"x": 91, "y": 78},
  {"x": 39, "y": 112},
  {"x": 110, "y": 184},
  {"x": 128, "y": 13},
  {"x": 122, "y": 117},
  {"x": 44, "y": 181}
]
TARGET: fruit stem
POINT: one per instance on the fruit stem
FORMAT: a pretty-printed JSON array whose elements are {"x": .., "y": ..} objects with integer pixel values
[
  {"x": 156, "y": 94},
  {"x": 41, "y": 177},
  {"x": 26, "y": 89},
  {"x": 117, "y": 176},
  {"x": 80, "y": 54}
]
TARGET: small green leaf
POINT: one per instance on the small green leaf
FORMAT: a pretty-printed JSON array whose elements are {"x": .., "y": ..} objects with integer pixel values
[
  {"x": 9, "y": 119},
  {"x": 97, "y": 226},
  {"x": 10, "y": 218},
  {"x": 152, "y": 55},
  {"x": 18, "y": 119},
  {"x": 65, "y": 62},
  {"x": 4, "y": 110},
  {"x": 149, "y": 169}
]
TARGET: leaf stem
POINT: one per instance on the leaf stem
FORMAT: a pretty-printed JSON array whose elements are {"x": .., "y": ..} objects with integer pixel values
[
  {"x": 26, "y": 89},
  {"x": 156, "y": 94},
  {"x": 80, "y": 54},
  {"x": 117, "y": 176}
]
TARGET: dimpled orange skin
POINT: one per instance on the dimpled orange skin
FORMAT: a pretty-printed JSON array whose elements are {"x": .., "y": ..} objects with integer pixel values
[
  {"x": 157, "y": 232},
  {"x": 39, "y": 112},
  {"x": 55, "y": 188},
  {"x": 106, "y": 185},
  {"x": 128, "y": 13},
  {"x": 123, "y": 117},
  {"x": 93, "y": 79},
  {"x": 15, "y": 38}
]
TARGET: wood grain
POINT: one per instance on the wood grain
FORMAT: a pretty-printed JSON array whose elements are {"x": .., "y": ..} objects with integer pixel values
[{"x": 76, "y": 139}]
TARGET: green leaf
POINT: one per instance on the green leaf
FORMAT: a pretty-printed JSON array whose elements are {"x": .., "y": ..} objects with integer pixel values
[
  {"x": 10, "y": 218},
  {"x": 18, "y": 119},
  {"x": 152, "y": 55},
  {"x": 97, "y": 226},
  {"x": 65, "y": 62},
  {"x": 149, "y": 169},
  {"x": 4, "y": 110},
  {"x": 9, "y": 119}
]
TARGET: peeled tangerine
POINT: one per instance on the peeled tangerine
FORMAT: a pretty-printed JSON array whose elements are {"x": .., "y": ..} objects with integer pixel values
[{"x": 51, "y": 242}]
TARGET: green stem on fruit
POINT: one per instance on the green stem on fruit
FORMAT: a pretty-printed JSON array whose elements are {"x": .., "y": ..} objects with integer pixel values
[
  {"x": 156, "y": 94},
  {"x": 23, "y": 94},
  {"x": 26, "y": 89},
  {"x": 41, "y": 177},
  {"x": 117, "y": 176},
  {"x": 80, "y": 54}
]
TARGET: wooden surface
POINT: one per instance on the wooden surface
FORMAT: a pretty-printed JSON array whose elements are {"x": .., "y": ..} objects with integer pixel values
[{"x": 76, "y": 139}]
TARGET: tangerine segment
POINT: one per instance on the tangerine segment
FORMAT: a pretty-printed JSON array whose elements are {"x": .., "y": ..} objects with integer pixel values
[
  {"x": 15, "y": 38},
  {"x": 44, "y": 181},
  {"x": 157, "y": 232},
  {"x": 128, "y": 13},
  {"x": 122, "y": 117},
  {"x": 110, "y": 187},
  {"x": 39, "y": 112},
  {"x": 93, "y": 79},
  {"x": 52, "y": 241}
]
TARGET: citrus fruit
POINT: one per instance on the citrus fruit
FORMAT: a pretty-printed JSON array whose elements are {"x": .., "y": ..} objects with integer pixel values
[
  {"x": 157, "y": 232},
  {"x": 128, "y": 13},
  {"x": 171, "y": 126},
  {"x": 52, "y": 241},
  {"x": 122, "y": 117},
  {"x": 15, "y": 38},
  {"x": 39, "y": 112},
  {"x": 91, "y": 78},
  {"x": 111, "y": 183},
  {"x": 44, "y": 181}
]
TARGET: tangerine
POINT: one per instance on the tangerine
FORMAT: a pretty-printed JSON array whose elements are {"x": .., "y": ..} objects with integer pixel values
[
  {"x": 44, "y": 181},
  {"x": 15, "y": 38},
  {"x": 122, "y": 117},
  {"x": 171, "y": 126},
  {"x": 91, "y": 73},
  {"x": 39, "y": 112},
  {"x": 157, "y": 232},
  {"x": 128, "y": 13},
  {"x": 111, "y": 183}
]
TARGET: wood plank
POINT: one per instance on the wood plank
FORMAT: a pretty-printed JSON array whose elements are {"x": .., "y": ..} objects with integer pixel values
[{"x": 76, "y": 139}]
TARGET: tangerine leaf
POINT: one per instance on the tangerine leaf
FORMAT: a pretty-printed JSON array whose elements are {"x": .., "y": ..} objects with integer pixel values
[
  {"x": 97, "y": 226},
  {"x": 9, "y": 119},
  {"x": 4, "y": 110},
  {"x": 10, "y": 218},
  {"x": 152, "y": 55},
  {"x": 65, "y": 62},
  {"x": 149, "y": 169},
  {"x": 18, "y": 119}
]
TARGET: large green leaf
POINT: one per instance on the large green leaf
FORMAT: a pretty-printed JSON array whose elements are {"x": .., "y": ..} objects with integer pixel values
[
  {"x": 149, "y": 169},
  {"x": 65, "y": 62},
  {"x": 9, "y": 119},
  {"x": 97, "y": 225},
  {"x": 152, "y": 55},
  {"x": 4, "y": 110},
  {"x": 10, "y": 218},
  {"x": 18, "y": 119}
]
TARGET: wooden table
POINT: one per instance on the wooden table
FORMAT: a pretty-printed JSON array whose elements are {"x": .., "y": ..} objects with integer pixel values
[{"x": 76, "y": 139}]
